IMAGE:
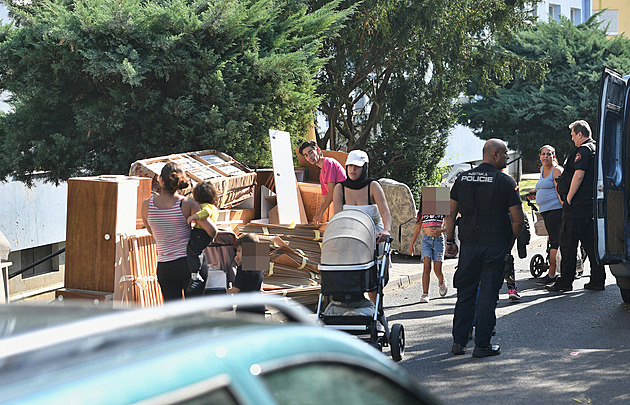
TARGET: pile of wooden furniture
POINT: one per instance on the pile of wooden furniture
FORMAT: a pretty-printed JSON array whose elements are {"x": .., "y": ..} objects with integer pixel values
[{"x": 110, "y": 257}]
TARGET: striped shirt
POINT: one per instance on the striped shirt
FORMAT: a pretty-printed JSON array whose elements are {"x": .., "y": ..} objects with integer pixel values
[
  {"x": 170, "y": 230},
  {"x": 430, "y": 220}
]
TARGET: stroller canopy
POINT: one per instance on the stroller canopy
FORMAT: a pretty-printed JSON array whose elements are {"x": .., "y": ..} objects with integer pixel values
[{"x": 349, "y": 239}]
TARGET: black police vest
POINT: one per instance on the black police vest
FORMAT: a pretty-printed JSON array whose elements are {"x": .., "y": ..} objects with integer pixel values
[
  {"x": 484, "y": 219},
  {"x": 584, "y": 194}
]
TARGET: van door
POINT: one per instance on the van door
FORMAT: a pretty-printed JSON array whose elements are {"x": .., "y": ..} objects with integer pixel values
[{"x": 610, "y": 193}]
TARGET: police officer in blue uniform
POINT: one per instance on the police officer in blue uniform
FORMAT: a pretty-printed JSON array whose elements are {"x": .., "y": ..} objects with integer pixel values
[
  {"x": 575, "y": 187},
  {"x": 486, "y": 198}
]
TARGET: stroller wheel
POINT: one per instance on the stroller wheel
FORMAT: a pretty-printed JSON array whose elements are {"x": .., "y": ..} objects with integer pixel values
[
  {"x": 537, "y": 265},
  {"x": 378, "y": 345},
  {"x": 397, "y": 341}
]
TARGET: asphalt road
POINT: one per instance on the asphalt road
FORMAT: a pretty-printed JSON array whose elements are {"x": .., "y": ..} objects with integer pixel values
[{"x": 566, "y": 348}]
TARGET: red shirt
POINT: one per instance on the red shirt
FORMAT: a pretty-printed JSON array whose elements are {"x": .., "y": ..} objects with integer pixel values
[{"x": 331, "y": 172}]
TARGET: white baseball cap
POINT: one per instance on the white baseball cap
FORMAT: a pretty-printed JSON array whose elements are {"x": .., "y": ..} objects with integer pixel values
[{"x": 357, "y": 158}]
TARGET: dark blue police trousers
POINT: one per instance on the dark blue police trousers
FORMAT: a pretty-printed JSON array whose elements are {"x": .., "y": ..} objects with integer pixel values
[{"x": 480, "y": 270}]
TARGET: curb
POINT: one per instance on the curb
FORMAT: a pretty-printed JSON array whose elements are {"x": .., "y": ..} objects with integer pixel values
[{"x": 403, "y": 281}]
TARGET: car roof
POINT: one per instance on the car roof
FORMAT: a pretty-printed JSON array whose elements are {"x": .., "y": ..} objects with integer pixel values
[{"x": 167, "y": 348}]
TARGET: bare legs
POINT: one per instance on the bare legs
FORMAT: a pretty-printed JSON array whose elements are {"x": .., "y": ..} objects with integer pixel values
[
  {"x": 552, "y": 262},
  {"x": 426, "y": 273}
]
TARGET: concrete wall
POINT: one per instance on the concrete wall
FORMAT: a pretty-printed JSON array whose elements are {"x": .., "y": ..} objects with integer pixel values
[{"x": 31, "y": 217}]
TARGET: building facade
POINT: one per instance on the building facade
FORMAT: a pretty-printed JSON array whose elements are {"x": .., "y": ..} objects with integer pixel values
[
  {"x": 577, "y": 11},
  {"x": 616, "y": 14}
]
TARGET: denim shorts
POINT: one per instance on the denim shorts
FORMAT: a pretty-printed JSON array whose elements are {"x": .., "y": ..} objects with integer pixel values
[{"x": 433, "y": 247}]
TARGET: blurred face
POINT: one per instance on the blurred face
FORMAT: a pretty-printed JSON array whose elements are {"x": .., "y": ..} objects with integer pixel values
[
  {"x": 502, "y": 157},
  {"x": 576, "y": 137},
  {"x": 546, "y": 157},
  {"x": 239, "y": 255},
  {"x": 313, "y": 155},
  {"x": 354, "y": 172}
]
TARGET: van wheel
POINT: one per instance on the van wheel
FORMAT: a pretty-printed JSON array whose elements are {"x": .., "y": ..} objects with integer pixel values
[{"x": 625, "y": 294}]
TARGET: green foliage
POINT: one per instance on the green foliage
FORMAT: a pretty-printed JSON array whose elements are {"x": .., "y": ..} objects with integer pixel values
[
  {"x": 394, "y": 72},
  {"x": 98, "y": 84},
  {"x": 530, "y": 114}
]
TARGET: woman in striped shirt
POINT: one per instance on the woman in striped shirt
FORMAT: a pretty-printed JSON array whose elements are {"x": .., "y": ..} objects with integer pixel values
[{"x": 165, "y": 217}]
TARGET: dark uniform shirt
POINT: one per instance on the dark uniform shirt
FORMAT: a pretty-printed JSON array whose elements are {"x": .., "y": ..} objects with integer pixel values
[
  {"x": 248, "y": 280},
  {"x": 582, "y": 158},
  {"x": 484, "y": 196}
]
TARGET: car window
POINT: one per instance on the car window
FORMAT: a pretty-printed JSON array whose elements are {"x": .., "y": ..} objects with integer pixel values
[
  {"x": 218, "y": 397},
  {"x": 214, "y": 391},
  {"x": 329, "y": 383}
]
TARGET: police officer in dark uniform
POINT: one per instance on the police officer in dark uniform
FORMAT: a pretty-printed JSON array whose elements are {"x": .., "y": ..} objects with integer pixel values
[
  {"x": 486, "y": 198},
  {"x": 575, "y": 187}
]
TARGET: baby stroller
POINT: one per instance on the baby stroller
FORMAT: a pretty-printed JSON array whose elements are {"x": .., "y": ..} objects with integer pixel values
[
  {"x": 351, "y": 264},
  {"x": 539, "y": 264}
]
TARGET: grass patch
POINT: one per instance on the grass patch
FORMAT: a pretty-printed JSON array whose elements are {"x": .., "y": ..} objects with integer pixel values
[{"x": 524, "y": 187}]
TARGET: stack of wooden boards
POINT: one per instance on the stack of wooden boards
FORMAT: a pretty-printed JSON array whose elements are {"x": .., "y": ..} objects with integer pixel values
[
  {"x": 295, "y": 253},
  {"x": 138, "y": 282}
]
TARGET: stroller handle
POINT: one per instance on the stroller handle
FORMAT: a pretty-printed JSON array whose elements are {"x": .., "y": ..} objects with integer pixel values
[{"x": 532, "y": 205}]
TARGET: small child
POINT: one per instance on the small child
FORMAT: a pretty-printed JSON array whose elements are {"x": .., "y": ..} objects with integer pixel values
[
  {"x": 432, "y": 250},
  {"x": 202, "y": 234},
  {"x": 246, "y": 280}
]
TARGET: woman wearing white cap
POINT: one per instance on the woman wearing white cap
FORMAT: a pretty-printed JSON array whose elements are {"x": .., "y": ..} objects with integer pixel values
[{"x": 365, "y": 194}]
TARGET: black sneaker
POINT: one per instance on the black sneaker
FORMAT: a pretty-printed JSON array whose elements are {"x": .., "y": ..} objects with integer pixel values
[
  {"x": 458, "y": 349},
  {"x": 594, "y": 287},
  {"x": 491, "y": 350},
  {"x": 546, "y": 280},
  {"x": 556, "y": 288}
]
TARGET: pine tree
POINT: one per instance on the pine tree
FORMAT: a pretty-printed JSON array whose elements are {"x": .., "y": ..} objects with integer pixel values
[
  {"x": 97, "y": 84},
  {"x": 529, "y": 114}
]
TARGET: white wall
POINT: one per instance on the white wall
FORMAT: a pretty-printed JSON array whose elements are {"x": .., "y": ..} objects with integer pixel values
[
  {"x": 463, "y": 146},
  {"x": 33, "y": 217}
]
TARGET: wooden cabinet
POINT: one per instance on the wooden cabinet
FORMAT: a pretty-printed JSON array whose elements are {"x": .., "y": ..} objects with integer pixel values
[{"x": 99, "y": 209}]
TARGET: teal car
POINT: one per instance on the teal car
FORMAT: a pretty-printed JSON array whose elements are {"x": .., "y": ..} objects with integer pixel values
[{"x": 198, "y": 351}]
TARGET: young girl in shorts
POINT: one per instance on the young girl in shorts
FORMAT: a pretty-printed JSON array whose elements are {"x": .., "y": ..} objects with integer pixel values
[{"x": 432, "y": 250}]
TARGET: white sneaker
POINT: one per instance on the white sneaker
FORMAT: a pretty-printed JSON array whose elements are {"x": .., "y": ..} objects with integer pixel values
[
  {"x": 424, "y": 298},
  {"x": 443, "y": 289}
]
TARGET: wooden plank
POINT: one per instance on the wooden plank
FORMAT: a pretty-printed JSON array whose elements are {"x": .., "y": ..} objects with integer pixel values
[
  {"x": 312, "y": 197},
  {"x": 100, "y": 296},
  {"x": 284, "y": 177},
  {"x": 144, "y": 192},
  {"x": 303, "y": 218}
]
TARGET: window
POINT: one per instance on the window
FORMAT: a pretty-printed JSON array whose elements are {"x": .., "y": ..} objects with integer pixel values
[
  {"x": 30, "y": 256},
  {"x": 576, "y": 16},
  {"x": 214, "y": 391},
  {"x": 554, "y": 12},
  {"x": 610, "y": 18},
  {"x": 327, "y": 383}
]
